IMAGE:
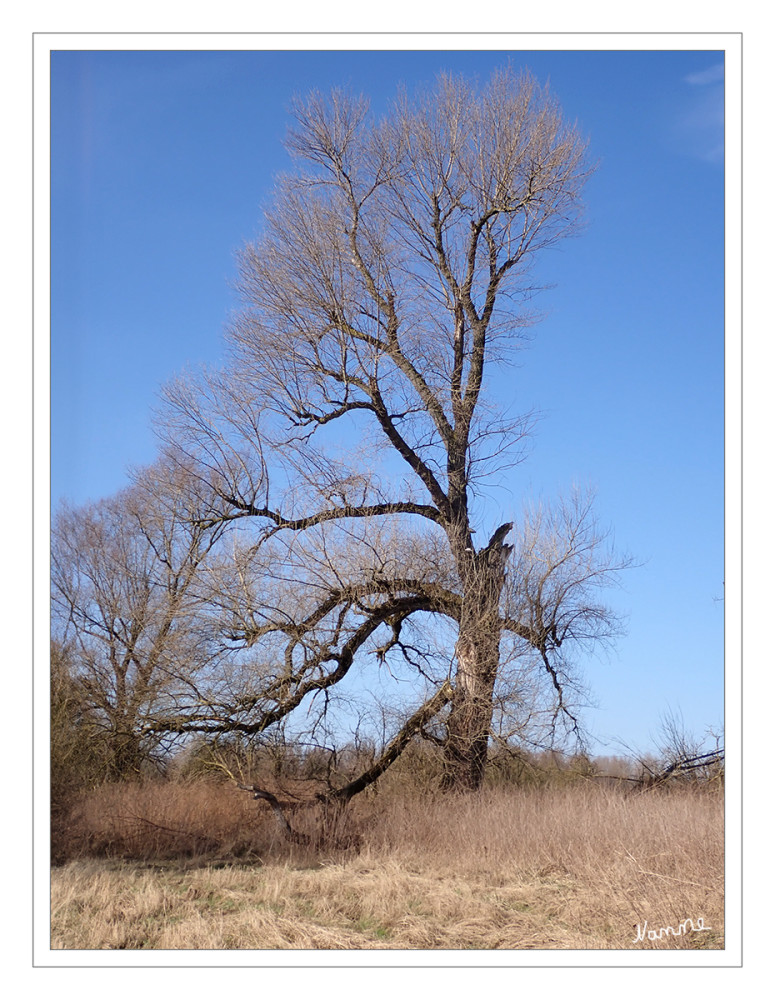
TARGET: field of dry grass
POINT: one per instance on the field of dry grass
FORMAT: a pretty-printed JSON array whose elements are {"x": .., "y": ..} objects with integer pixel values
[{"x": 205, "y": 867}]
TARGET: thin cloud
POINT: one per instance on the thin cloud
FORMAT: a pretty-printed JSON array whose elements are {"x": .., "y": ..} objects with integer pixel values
[
  {"x": 714, "y": 74},
  {"x": 698, "y": 115}
]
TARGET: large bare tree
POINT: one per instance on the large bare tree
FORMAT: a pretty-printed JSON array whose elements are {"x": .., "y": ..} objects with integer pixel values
[{"x": 353, "y": 425}]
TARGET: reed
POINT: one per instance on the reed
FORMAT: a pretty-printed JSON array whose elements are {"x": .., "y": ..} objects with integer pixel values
[{"x": 202, "y": 865}]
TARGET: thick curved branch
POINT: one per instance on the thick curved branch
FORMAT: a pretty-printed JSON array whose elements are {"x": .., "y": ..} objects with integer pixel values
[
  {"x": 412, "y": 459},
  {"x": 395, "y": 748},
  {"x": 223, "y": 718}
]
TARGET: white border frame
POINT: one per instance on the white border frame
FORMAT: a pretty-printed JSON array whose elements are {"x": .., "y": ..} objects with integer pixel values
[{"x": 731, "y": 956}]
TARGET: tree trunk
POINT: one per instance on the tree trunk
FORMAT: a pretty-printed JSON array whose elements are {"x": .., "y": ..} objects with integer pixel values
[
  {"x": 468, "y": 724},
  {"x": 126, "y": 755},
  {"x": 477, "y": 650}
]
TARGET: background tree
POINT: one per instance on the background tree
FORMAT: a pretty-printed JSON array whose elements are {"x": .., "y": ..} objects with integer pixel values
[
  {"x": 75, "y": 749},
  {"x": 392, "y": 274},
  {"x": 126, "y": 607}
]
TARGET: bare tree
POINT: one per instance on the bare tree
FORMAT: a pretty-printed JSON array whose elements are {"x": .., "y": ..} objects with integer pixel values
[
  {"x": 392, "y": 274},
  {"x": 125, "y": 600}
]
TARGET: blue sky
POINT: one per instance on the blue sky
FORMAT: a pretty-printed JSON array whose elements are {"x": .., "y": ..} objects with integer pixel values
[{"x": 160, "y": 162}]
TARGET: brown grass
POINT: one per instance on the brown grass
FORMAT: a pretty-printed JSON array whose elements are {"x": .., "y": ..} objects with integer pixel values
[{"x": 203, "y": 866}]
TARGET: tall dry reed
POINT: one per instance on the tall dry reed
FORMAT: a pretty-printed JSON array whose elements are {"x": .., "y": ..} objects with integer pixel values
[{"x": 576, "y": 867}]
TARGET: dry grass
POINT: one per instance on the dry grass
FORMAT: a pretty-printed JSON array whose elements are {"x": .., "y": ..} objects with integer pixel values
[{"x": 574, "y": 868}]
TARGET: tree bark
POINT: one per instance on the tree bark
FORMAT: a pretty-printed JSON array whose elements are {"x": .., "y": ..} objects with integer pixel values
[
  {"x": 468, "y": 725},
  {"x": 477, "y": 650}
]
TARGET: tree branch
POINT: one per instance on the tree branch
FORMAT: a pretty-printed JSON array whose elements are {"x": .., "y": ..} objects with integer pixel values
[{"x": 395, "y": 748}]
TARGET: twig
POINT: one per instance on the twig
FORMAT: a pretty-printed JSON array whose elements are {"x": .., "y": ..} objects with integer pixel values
[
  {"x": 169, "y": 829},
  {"x": 672, "y": 878}
]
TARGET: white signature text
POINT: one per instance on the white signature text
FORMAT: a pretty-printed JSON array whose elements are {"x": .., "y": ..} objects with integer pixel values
[{"x": 644, "y": 932}]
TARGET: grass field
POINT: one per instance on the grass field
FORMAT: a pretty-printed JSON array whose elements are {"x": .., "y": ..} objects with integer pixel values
[{"x": 204, "y": 867}]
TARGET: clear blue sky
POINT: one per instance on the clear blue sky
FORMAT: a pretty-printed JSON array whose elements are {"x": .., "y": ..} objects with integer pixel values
[{"x": 160, "y": 162}]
